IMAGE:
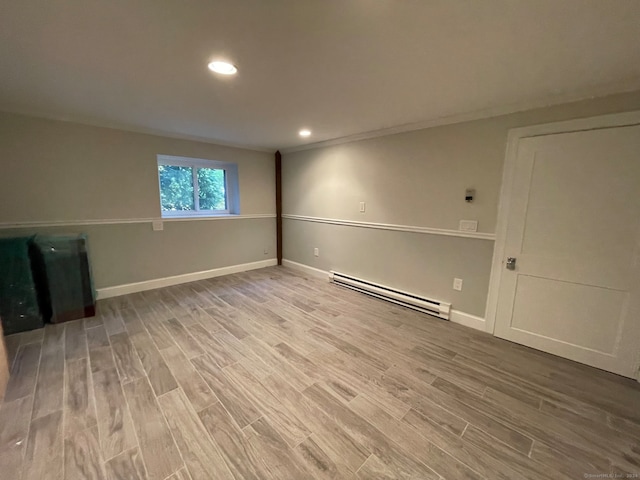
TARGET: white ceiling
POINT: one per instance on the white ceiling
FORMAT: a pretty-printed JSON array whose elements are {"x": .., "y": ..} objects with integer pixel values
[{"x": 338, "y": 67}]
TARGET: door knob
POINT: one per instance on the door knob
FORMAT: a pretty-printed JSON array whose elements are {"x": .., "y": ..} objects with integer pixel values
[{"x": 511, "y": 263}]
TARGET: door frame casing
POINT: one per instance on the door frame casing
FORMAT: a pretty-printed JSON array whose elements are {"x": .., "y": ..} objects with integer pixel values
[{"x": 513, "y": 138}]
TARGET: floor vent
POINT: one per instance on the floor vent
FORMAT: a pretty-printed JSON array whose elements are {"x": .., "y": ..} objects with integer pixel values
[{"x": 416, "y": 302}]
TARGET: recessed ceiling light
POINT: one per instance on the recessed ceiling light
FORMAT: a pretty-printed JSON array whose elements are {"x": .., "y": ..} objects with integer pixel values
[
  {"x": 304, "y": 133},
  {"x": 224, "y": 68}
]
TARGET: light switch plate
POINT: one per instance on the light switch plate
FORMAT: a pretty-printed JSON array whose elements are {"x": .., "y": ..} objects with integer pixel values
[
  {"x": 362, "y": 207},
  {"x": 158, "y": 225},
  {"x": 468, "y": 226}
]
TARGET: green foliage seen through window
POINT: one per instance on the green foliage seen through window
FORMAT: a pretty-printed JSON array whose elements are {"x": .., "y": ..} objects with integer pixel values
[
  {"x": 177, "y": 189},
  {"x": 211, "y": 189}
]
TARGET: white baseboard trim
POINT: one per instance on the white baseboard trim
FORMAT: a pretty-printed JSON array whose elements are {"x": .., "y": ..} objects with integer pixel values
[
  {"x": 311, "y": 271},
  {"x": 468, "y": 320},
  {"x": 127, "y": 288}
]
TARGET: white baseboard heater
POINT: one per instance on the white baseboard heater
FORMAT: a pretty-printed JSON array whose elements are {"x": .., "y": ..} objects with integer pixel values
[{"x": 416, "y": 302}]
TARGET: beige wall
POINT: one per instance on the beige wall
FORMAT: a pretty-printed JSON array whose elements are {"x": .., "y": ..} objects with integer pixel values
[
  {"x": 58, "y": 171},
  {"x": 416, "y": 178},
  {"x": 408, "y": 261},
  {"x": 133, "y": 252}
]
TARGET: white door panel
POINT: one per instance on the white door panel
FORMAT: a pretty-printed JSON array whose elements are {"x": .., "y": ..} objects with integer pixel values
[
  {"x": 574, "y": 228},
  {"x": 570, "y": 312}
]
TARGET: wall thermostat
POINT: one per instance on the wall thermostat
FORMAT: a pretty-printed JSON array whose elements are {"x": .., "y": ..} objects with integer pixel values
[{"x": 469, "y": 194}]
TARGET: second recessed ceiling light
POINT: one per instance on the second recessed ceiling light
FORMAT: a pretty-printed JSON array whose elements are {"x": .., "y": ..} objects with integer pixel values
[
  {"x": 223, "y": 68},
  {"x": 304, "y": 133}
]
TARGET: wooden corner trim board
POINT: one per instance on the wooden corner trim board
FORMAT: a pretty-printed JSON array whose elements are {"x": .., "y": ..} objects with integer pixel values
[
  {"x": 455, "y": 316},
  {"x": 117, "y": 290},
  {"x": 394, "y": 227},
  {"x": 278, "y": 172},
  {"x": 117, "y": 221}
]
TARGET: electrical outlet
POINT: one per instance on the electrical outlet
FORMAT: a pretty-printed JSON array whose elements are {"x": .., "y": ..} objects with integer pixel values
[
  {"x": 457, "y": 284},
  {"x": 363, "y": 207},
  {"x": 157, "y": 225},
  {"x": 266, "y": 251},
  {"x": 316, "y": 252}
]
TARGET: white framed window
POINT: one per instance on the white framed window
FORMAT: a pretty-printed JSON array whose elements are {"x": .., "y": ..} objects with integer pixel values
[{"x": 194, "y": 187}]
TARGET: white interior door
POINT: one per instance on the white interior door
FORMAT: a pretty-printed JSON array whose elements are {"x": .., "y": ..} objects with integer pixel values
[{"x": 573, "y": 228}]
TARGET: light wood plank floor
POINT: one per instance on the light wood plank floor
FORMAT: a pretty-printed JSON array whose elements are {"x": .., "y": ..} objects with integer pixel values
[{"x": 271, "y": 375}]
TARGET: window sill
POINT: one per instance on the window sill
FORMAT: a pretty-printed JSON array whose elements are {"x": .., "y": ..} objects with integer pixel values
[
  {"x": 225, "y": 216},
  {"x": 197, "y": 215}
]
